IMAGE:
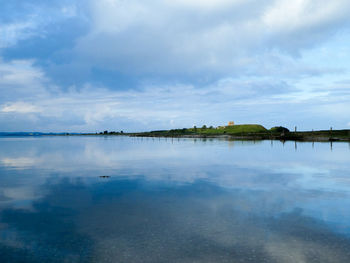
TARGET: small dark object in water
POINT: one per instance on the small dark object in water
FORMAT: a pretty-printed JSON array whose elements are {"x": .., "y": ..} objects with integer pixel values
[{"x": 104, "y": 176}]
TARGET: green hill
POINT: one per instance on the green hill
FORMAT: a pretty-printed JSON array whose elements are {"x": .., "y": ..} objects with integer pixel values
[
  {"x": 251, "y": 132},
  {"x": 234, "y": 130},
  {"x": 238, "y": 130}
]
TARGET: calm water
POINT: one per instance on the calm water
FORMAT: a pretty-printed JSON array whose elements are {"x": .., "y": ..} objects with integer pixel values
[{"x": 173, "y": 200}]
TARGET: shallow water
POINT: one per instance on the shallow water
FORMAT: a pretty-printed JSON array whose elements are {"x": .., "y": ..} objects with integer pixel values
[{"x": 173, "y": 200}]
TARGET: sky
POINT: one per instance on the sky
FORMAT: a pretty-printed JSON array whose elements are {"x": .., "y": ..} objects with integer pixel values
[{"x": 138, "y": 65}]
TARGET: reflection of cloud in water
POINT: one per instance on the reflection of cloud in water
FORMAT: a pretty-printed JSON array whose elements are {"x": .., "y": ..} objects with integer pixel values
[
  {"x": 179, "y": 199},
  {"x": 183, "y": 160},
  {"x": 137, "y": 221},
  {"x": 19, "y": 163},
  {"x": 21, "y": 196}
]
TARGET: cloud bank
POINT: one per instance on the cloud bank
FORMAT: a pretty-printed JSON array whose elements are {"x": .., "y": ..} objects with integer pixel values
[{"x": 139, "y": 65}]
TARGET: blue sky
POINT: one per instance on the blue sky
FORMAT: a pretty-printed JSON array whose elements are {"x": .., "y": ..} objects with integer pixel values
[{"x": 92, "y": 65}]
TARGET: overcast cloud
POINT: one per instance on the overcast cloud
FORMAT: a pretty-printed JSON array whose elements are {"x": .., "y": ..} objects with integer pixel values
[{"x": 143, "y": 65}]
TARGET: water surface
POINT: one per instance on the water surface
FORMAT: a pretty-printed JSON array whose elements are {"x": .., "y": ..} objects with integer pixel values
[{"x": 173, "y": 200}]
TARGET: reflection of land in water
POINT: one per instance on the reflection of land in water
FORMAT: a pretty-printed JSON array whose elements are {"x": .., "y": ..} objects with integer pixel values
[{"x": 180, "y": 200}]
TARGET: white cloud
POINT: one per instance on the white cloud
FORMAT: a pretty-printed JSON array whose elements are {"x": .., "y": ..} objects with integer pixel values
[
  {"x": 172, "y": 37},
  {"x": 241, "y": 55},
  {"x": 152, "y": 106},
  {"x": 20, "y": 107},
  {"x": 19, "y": 72},
  {"x": 21, "y": 81},
  {"x": 31, "y": 19},
  {"x": 294, "y": 15},
  {"x": 11, "y": 33}
]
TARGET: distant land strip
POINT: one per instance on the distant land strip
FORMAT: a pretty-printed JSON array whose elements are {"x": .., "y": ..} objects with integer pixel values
[{"x": 234, "y": 132}]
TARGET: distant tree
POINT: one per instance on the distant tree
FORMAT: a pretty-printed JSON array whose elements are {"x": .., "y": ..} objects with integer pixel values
[
  {"x": 121, "y": 132},
  {"x": 204, "y": 126},
  {"x": 105, "y": 132},
  {"x": 211, "y": 127},
  {"x": 195, "y": 128},
  {"x": 279, "y": 129}
]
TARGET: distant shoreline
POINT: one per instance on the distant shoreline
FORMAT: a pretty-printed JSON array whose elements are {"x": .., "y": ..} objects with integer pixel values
[
  {"x": 251, "y": 132},
  {"x": 295, "y": 136},
  {"x": 245, "y": 132}
]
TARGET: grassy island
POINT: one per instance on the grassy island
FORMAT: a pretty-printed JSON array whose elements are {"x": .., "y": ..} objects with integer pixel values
[
  {"x": 234, "y": 132},
  {"x": 250, "y": 132}
]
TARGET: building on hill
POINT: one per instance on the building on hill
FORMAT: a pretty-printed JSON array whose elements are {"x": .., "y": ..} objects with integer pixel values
[{"x": 230, "y": 123}]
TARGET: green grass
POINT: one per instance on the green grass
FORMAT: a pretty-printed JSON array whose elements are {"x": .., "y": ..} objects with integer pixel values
[
  {"x": 234, "y": 130},
  {"x": 252, "y": 131},
  {"x": 245, "y": 129}
]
